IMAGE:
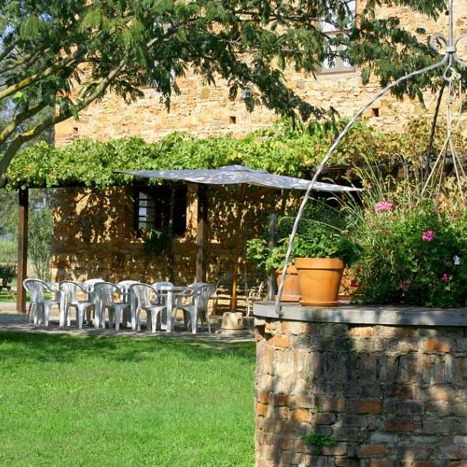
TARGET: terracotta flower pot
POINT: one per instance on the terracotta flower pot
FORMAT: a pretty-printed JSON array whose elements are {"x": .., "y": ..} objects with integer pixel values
[
  {"x": 319, "y": 280},
  {"x": 291, "y": 290}
]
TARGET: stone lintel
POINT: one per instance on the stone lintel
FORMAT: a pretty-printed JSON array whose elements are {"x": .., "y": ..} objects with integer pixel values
[{"x": 364, "y": 314}]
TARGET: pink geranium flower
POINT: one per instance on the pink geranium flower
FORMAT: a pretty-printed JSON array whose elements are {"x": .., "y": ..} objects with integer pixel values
[
  {"x": 383, "y": 206},
  {"x": 405, "y": 284},
  {"x": 428, "y": 236},
  {"x": 445, "y": 277}
]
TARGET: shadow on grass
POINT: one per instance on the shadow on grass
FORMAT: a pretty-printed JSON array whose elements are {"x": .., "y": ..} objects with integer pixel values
[{"x": 27, "y": 347}]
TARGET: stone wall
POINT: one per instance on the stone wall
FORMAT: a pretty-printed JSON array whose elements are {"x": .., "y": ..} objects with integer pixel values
[
  {"x": 94, "y": 236},
  {"x": 387, "y": 395},
  {"x": 207, "y": 111}
]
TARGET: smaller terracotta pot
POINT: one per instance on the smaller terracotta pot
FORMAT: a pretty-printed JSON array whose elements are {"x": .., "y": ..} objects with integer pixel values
[{"x": 291, "y": 290}]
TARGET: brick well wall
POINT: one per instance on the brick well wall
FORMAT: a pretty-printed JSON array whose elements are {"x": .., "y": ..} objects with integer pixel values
[{"x": 388, "y": 395}]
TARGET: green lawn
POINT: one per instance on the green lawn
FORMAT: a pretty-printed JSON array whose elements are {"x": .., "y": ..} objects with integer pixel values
[
  {"x": 119, "y": 401},
  {"x": 5, "y": 297}
]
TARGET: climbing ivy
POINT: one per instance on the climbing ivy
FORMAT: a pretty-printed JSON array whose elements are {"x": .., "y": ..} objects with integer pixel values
[{"x": 285, "y": 149}]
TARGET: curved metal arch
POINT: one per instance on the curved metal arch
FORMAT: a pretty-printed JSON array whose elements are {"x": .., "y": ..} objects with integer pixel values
[{"x": 449, "y": 58}]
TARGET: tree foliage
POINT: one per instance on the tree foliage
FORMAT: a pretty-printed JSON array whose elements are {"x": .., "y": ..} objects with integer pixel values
[
  {"x": 40, "y": 242},
  {"x": 59, "y": 56},
  {"x": 8, "y": 214},
  {"x": 93, "y": 163}
]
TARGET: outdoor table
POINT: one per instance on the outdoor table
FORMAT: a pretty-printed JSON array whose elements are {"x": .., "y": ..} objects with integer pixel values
[
  {"x": 172, "y": 294},
  {"x": 8, "y": 289}
]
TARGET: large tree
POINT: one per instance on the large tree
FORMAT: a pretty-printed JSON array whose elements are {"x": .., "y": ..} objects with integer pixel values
[{"x": 58, "y": 56}]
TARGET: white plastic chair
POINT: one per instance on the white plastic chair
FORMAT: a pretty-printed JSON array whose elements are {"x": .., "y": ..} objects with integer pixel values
[
  {"x": 69, "y": 297},
  {"x": 39, "y": 310},
  {"x": 126, "y": 284},
  {"x": 153, "y": 303},
  {"x": 162, "y": 288},
  {"x": 255, "y": 293},
  {"x": 198, "y": 299},
  {"x": 109, "y": 296},
  {"x": 127, "y": 298},
  {"x": 88, "y": 284}
]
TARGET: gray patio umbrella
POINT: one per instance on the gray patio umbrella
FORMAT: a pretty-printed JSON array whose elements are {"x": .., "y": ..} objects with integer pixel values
[
  {"x": 230, "y": 175},
  {"x": 238, "y": 174}
]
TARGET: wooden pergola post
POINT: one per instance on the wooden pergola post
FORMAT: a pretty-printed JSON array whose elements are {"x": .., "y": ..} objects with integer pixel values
[
  {"x": 201, "y": 234},
  {"x": 23, "y": 200}
]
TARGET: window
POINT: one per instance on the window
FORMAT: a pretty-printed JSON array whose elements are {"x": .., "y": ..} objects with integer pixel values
[
  {"x": 161, "y": 207},
  {"x": 335, "y": 29}
]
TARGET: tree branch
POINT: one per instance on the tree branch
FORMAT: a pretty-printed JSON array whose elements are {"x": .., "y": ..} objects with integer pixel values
[
  {"x": 49, "y": 71},
  {"x": 12, "y": 64},
  {"x": 22, "y": 138},
  {"x": 7, "y": 50},
  {"x": 10, "y": 128}
]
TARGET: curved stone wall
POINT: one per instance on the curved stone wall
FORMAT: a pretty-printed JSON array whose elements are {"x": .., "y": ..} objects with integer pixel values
[{"x": 377, "y": 387}]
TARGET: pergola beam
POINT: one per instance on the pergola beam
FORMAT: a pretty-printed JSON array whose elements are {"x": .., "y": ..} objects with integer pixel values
[{"x": 23, "y": 200}]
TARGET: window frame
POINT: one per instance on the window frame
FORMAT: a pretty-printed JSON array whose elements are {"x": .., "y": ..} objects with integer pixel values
[
  {"x": 162, "y": 215},
  {"x": 328, "y": 29}
]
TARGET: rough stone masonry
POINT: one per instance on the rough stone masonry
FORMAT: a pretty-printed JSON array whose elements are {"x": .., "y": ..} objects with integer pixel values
[{"x": 384, "y": 394}]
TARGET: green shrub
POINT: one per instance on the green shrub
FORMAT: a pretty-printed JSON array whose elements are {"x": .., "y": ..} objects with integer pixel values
[
  {"x": 7, "y": 272},
  {"x": 413, "y": 247},
  {"x": 323, "y": 232}
]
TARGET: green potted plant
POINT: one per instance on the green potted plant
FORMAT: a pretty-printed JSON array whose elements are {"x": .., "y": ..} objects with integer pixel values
[
  {"x": 271, "y": 260},
  {"x": 413, "y": 244},
  {"x": 320, "y": 264},
  {"x": 7, "y": 273},
  {"x": 322, "y": 249}
]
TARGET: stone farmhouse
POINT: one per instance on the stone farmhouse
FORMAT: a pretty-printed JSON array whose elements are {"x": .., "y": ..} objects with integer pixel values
[
  {"x": 207, "y": 111},
  {"x": 96, "y": 232}
]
